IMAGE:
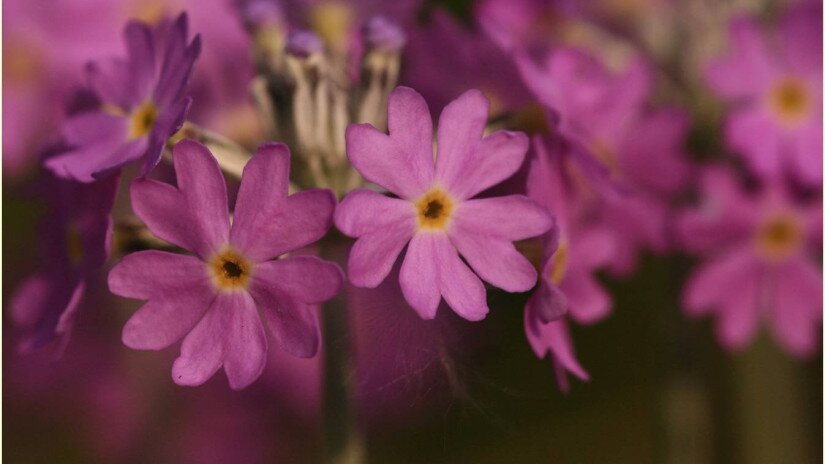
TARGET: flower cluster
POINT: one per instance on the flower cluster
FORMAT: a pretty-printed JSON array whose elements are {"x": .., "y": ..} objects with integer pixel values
[{"x": 559, "y": 158}]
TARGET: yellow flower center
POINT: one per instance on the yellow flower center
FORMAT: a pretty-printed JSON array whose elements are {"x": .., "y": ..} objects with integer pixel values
[
  {"x": 151, "y": 11},
  {"x": 142, "y": 119},
  {"x": 230, "y": 270},
  {"x": 790, "y": 100},
  {"x": 604, "y": 152},
  {"x": 559, "y": 269},
  {"x": 434, "y": 210},
  {"x": 332, "y": 21},
  {"x": 779, "y": 237}
]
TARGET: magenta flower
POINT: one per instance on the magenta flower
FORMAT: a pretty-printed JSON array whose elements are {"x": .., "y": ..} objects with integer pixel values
[
  {"x": 775, "y": 88},
  {"x": 213, "y": 298},
  {"x": 435, "y": 213},
  {"x": 760, "y": 256},
  {"x": 76, "y": 239},
  {"x": 141, "y": 104}
]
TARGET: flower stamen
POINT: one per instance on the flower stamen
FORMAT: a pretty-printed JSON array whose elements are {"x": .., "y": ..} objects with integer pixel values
[
  {"x": 142, "y": 119},
  {"x": 790, "y": 100},
  {"x": 779, "y": 237}
]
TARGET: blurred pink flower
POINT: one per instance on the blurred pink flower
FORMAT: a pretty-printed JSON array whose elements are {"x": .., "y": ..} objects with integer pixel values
[
  {"x": 75, "y": 242},
  {"x": 760, "y": 251},
  {"x": 774, "y": 85},
  {"x": 436, "y": 214},
  {"x": 212, "y": 299}
]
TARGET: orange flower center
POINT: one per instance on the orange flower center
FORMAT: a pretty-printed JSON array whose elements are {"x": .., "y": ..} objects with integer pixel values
[
  {"x": 142, "y": 119},
  {"x": 434, "y": 210},
  {"x": 230, "y": 270},
  {"x": 779, "y": 237},
  {"x": 790, "y": 100}
]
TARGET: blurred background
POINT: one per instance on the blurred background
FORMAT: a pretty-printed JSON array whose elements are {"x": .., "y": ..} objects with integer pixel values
[{"x": 661, "y": 387}]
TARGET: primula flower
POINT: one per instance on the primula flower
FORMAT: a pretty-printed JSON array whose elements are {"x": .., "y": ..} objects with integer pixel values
[
  {"x": 212, "y": 299},
  {"x": 775, "y": 87},
  {"x": 435, "y": 213},
  {"x": 141, "y": 104},
  {"x": 76, "y": 238},
  {"x": 760, "y": 264}
]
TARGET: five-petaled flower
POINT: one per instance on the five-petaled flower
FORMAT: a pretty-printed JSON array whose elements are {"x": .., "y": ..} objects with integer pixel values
[
  {"x": 213, "y": 298},
  {"x": 140, "y": 106},
  {"x": 436, "y": 213}
]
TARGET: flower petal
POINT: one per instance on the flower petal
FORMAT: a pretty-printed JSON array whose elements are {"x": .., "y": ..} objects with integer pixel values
[
  {"x": 382, "y": 161},
  {"x": 152, "y": 273},
  {"x": 373, "y": 254},
  {"x": 165, "y": 319},
  {"x": 293, "y": 323},
  {"x": 588, "y": 302},
  {"x": 462, "y": 289},
  {"x": 798, "y": 312},
  {"x": 460, "y": 128},
  {"x": 419, "y": 276},
  {"x": 304, "y": 218},
  {"x": 494, "y": 260},
  {"x": 163, "y": 209},
  {"x": 262, "y": 193},
  {"x": 202, "y": 185},
  {"x": 306, "y": 279},
  {"x": 495, "y": 158},
  {"x": 511, "y": 217},
  {"x": 364, "y": 211},
  {"x": 411, "y": 127},
  {"x": 230, "y": 334}
]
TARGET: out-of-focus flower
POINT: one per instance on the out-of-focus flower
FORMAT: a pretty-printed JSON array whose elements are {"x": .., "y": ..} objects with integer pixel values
[
  {"x": 774, "y": 84},
  {"x": 465, "y": 59},
  {"x": 553, "y": 339},
  {"x": 75, "y": 242},
  {"x": 435, "y": 213},
  {"x": 212, "y": 299},
  {"x": 759, "y": 263},
  {"x": 568, "y": 257},
  {"x": 141, "y": 104}
]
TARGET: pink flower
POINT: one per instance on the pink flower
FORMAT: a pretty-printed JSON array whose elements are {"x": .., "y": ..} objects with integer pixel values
[
  {"x": 213, "y": 298},
  {"x": 775, "y": 87},
  {"x": 553, "y": 339},
  {"x": 759, "y": 263},
  {"x": 435, "y": 213}
]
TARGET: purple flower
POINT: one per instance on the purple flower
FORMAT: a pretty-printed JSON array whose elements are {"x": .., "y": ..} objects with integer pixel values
[
  {"x": 775, "y": 88},
  {"x": 141, "y": 104},
  {"x": 760, "y": 254},
  {"x": 435, "y": 213},
  {"x": 76, "y": 238},
  {"x": 212, "y": 299}
]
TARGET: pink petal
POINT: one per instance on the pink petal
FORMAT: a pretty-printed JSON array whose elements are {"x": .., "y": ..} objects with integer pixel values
[
  {"x": 307, "y": 279},
  {"x": 747, "y": 68},
  {"x": 364, "y": 211},
  {"x": 202, "y": 185},
  {"x": 163, "y": 209},
  {"x": 553, "y": 338},
  {"x": 757, "y": 139},
  {"x": 495, "y": 158},
  {"x": 293, "y": 324},
  {"x": 806, "y": 154},
  {"x": 164, "y": 320},
  {"x": 304, "y": 218},
  {"x": 261, "y": 195},
  {"x": 147, "y": 274},
  {"x": 511, "y": 217},
  {"x": 797, "y": 315},
  {"x": 381, "y": 160},
  {"x": 460, "y": 128},
  {"x": 419, "y": 276},
  {"x": 709, "y": 283},
  {"x": 494, "y": 260},
  {"x": 587, "y": 301},
  {"x": 462, "y": 289},
  {"x": 230, "y": 334},
  {"x": 373, "y": 254},
  {"x": 411, "y": 127}
]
